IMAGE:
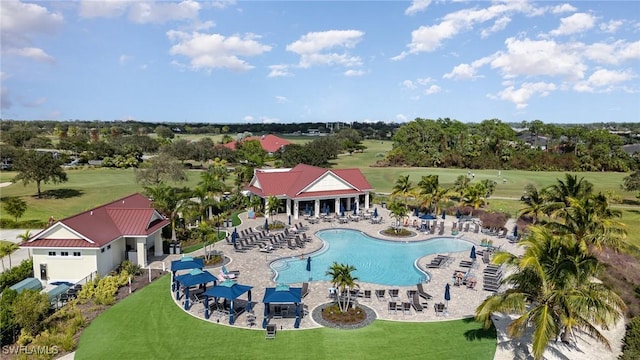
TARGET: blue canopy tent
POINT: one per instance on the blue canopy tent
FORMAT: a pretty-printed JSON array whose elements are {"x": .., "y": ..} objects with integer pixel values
[
  {"x": 186, "y": 263},
  {"x": 282, "y": 294},
  {"x": 229, "y": 290},
  {"x": 194, "y": 277},
  {"x": 427, "y": 217}
]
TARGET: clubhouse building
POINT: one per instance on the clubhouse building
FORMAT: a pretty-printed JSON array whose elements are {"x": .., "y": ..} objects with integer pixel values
[{"x": 312, "y": 190}]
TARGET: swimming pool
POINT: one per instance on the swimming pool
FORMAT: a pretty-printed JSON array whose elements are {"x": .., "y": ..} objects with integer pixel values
[{"x": 376, "y": 261}]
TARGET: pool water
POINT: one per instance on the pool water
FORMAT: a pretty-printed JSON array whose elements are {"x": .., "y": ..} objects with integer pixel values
[{"x": 376, "y": 261}]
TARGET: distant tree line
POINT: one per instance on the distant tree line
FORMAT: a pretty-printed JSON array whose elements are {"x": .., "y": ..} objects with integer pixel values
[{"x": 494, "y": 144}]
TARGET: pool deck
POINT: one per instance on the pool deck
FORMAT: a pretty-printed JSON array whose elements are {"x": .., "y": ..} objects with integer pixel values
[{"x": 254, "y": 271}]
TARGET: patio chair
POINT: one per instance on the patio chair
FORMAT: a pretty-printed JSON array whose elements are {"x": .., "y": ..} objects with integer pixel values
[
  {"x": 271, "y": 332},
  {"x": 422, "y": 293},
  {"x": 367, "y": 295},
  {"x": 394, "y": 293},
  {"x": 305, "y": 289},
  {"x": 277, "y": 312},
  {"x": 406, "y": 308},
  {"x": 380, "y": 294},
  {"x": 440, "y": 309},
  {"x": 392, "y": 306},
  {"x": 415, "y": 302},
  {"x": 230, "y": 274}
]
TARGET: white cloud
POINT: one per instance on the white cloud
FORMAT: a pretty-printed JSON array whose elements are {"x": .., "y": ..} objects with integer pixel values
[
  {"x": 498, "y": 25},
  {"x": 33, "y": 53},
  {"x": 269, "y": 120},
  {"x": 521, "y": 96},
  {"x": 352, "y": 72},
  {"x": 611, "y": 53},
  {"x": 539, "y": 57},
  {"x": 559, "y": 9},
  {"x": 417, "y": 6},
  {"x": 612, "y": 26},
  {"x": 142, "y": 12},
  {"x": 248, "y": 118},
  {"x": 433, "y": 89},
  {"x": 318, "y": 48},
  {"x": 401, "y": 118},
  {"x": 409, "y": 84},
  {"x": 461, "y": 72},
  {"x": 279, "y": 70},
  {"x": 20, "y": 22},
  {"x": 604, "y": 77},
  {"x": 281, "y": 99},
  {"x": 575, "y": 23},
  {"x": 209, "y": 51},
  {"x": 430, "y": 38},
  {"x": 123, "y": 59}
]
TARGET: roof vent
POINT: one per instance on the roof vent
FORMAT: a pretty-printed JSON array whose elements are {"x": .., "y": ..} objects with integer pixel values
[{"x": 91, "y": 213}]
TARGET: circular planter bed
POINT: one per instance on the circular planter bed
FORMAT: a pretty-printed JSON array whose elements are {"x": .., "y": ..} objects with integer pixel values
[
  {"x": 399, "y": 232},
  {"x": 329, "y": 315}
]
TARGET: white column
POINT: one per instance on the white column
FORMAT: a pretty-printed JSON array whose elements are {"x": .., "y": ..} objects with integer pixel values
[
  {"x": 157, "y": 244},
  {"x": 288, "y": 206},
  {"x": 141, "y": 248},
  {"x": 348, "y": 206},
  {"x": 296, "y": 209},
  {"x": 316, "y": 208},
  {"x": 366, "y": 200},
  {"x": 337, "y": 207}
]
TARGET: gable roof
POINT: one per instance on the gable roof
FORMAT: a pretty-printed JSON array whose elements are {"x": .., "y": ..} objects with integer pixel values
[
  {"x": 307, "y": 181},
  {"x": 270, "y": 143},
  {"x": 129, "y": 216}
]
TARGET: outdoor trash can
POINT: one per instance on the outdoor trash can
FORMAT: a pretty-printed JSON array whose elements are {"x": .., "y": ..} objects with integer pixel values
[{"x": 178, "y": 250}]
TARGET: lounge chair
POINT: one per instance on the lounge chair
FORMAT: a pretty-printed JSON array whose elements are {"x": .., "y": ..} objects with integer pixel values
[
  {"x": 277, "y": 312},
  {"x": 406, "y": 308},
  {"x": 271, "y": 332},
  {"x": 394, "y": 293},
  {"x": 440, "y": 309},
  {"x": 392, "y": 306},
  {"x": 422, "y": 293},
  {"x": 380, "y": 294},
  {"x": 367, "y": 295},
  {"x": 230, "y": 274},
  {"x": 305, "y": 289},
  {"x": 415, "y": 302}
]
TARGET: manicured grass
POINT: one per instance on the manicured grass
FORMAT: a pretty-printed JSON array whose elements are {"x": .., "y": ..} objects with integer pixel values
[{"x": 149, "y": 325}]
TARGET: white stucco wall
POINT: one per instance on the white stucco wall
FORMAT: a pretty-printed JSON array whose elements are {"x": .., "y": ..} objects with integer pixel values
[{"x": 64, "y": 268}]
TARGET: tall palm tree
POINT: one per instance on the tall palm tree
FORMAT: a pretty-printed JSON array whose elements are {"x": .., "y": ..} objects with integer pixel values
[
  {"x": 398, "y": 212},
  {"x": 461, "y": 184},
  {"x": 570, "y": 187},
  {"x": 403, "y": 187},
  {"x": 343, "y": 279},
  {"x": 168, "y": 200},
  {"x": 534, "y": 202},
  {"x": 474, "y": 196},
  {"x": 553, "y": 291},
  {"x": 274, "y": 205},
  {"x": 6, "y": 248},
  {"x": 427, "y": 186}
]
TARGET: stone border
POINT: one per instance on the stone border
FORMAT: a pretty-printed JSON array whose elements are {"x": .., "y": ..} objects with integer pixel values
[{"x": 316, "y": 315}]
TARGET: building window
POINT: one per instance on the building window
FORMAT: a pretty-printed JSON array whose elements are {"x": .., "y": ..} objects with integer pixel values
[
  {"x": 64, "y": 253},
  {"x": 76, "y": 253},
  {"x": 52, "y": 253},
  {"x": 102, "y": 250},
  {"x": 108, "y": 247}
]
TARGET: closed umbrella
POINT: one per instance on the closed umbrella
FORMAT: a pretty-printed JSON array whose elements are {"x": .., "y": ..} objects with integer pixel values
[
  {"x": 515, "y": 231},
  {"x": 447, "y": 294},
  {"x": 458, "y": 214},
  {"x": 341, "y": 210},
  {"x": 309, "y": 267},
  {"x": 473, "y": 253},
  {"x": 375, "y": 212},
  {"x": 266, "y": 224},
  {"x": 444, "y": 214}
]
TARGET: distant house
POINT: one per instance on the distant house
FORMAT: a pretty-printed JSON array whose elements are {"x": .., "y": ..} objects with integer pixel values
[
  {"x": 270, "y": 143},
  {"x": 97, "y": 241},
  {"x": 307, "y": 188}
]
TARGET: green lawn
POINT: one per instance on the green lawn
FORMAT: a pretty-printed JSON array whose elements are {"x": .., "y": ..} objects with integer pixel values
[{"x": 149, "y": 325}]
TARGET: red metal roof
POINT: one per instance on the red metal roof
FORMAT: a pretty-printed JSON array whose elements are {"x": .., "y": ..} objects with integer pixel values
[
  {"x": 292, "y": 183},
  {"x": 270, "y": 143},
  {"x": 61, "y": 243},
  {"x": 129, "y": 216}
]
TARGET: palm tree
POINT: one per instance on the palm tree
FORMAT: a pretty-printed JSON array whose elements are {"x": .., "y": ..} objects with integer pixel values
[
  {"x": 403, "y": 187},
  {"x": 571, "y": 187},
  {"x": 343, "y": 279},
  {"x": 398, "y": 212},
  {"x": 274, "y": 205},
  {"x": 168, "y": 200},
  {"x": 461, "y": 184},
  {"x": 553, "y": 291},
  {"x": 534, "y": 201},
  {"x": 428, "y": 185},
  {"x": 6, "y": 248},
  {"x": 474, "y": 196}
]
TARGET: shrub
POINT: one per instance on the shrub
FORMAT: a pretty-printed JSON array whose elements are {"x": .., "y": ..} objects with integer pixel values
[
  {"x": 130, "y": 268},
  {"x": 631, "y": 343},
  {"x": 15, "y": 275}
]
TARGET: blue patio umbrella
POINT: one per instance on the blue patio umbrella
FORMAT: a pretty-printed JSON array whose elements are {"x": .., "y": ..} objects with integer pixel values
[
  {"x": 458, "y": 214},
  {"x": 326, "y": 209},
  {"x": 306, "y": 208},
  {"x": 415, "y": 212},
  {"x": 444, "y": 214},
  {"x": 309, "y": 264},
  {"x": 355, "y": 210},
  {"x": 289, "y": 220},
  {"x": 447, "y": 293},
  {"x": 473, "y": 252},
  {"x": 375, "y": 212},
  {"x": 515, "y": 231},
  {"x": 266, "y": 223}
]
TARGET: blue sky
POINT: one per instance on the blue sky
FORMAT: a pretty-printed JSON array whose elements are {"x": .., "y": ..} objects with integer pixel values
[{"x": 308, "y": 61}]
